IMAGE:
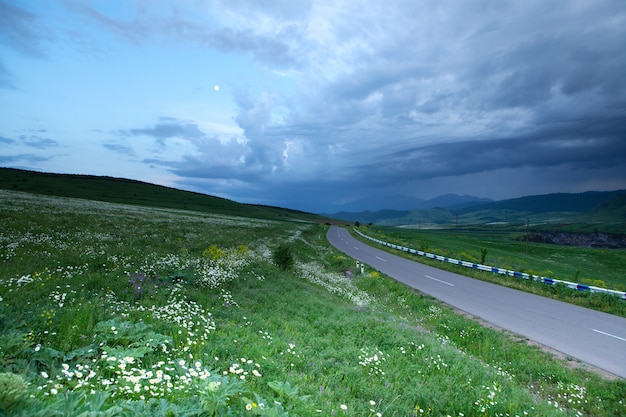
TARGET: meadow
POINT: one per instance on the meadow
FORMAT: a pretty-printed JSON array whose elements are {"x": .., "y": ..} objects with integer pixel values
[
  {"x": 605, "y": 268},
  {"x": 116, "y": 310}
]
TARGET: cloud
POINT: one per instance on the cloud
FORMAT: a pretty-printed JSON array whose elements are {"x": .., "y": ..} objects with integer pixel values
[
  {"x": 169, "y": 128},
  {"x": 7, "y": 79},
  {"x": 119, "y": 148},
  {"x": 476, "y": 58},
  {"x": 269, "y": 50},
  {"x": 26, "y": 142},
  {"x": 471, "y": 157},
  {"x": 31, "y": 141},
  {"x": 22, "y": 30},
  {"x": 259, "y": 34},
  {"x": 7, "y": 160},
  {"x": 8, "y": 141},
  {"x": 186, "y": 149},
  {"x": 34, "y": 141}
]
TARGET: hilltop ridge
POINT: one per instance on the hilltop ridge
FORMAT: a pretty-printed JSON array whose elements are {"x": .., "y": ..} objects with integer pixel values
[{"x": 128, "y": 191}]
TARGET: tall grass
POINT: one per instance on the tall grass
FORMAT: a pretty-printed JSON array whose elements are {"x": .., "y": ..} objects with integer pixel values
[{"x": 117, "y": 310}]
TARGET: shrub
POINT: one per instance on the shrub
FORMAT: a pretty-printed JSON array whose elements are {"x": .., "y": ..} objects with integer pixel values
[
  {"x": 467, "y": 257},
  {"x": 213, "y": 253},
  {"x": 483, "y": 255},
  {"x": 13, "y": 389},
  {"x": 283, "y": 257}
]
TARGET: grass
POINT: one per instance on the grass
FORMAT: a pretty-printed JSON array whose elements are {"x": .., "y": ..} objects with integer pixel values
[
  {"x": 121, "y": 310},
  {"x": 599, "y": 267},
  {"x": 120, "y": 190},
  {"x": 507, "y": 249}
]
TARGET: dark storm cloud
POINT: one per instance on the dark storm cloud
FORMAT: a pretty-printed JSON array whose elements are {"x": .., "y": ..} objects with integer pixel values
[
  {"x": 564, "y": 149},
  {"x": 543, "y": 66}
]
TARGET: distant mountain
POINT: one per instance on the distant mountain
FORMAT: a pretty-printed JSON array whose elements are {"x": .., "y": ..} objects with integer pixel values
[
  {"x": 401, "y": 206},
  {"x": 453, "y": 202},
  {"x": 381, "y": 202},
  {"x": 370, "y": 216},
  {"x": 611, "y": 211},
  {"x": 605, "y": 206},
  {"x": 581, "y": 202},
  {"x": 404, "y": 203}
]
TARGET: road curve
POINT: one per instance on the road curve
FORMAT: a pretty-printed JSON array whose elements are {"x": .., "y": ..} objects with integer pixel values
[{"x": 596, "y": 338}]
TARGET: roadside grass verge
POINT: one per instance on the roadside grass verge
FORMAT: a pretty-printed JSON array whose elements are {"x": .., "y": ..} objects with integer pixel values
[
  {"x": 601, "y": 267},
  {"x": 115, "y": 310}
]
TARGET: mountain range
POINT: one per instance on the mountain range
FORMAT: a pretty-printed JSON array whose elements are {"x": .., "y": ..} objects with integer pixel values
[
  {"x": 403, "y": 202},
  {"x": 607, "y": 207}
]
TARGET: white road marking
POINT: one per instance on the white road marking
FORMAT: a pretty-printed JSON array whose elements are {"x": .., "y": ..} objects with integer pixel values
[
  {"x": 356, "y": 248},
  {"x": 438, "y": 280},
  {"x": 609, "y": 334},
  {"x": 384, "y": 260}
]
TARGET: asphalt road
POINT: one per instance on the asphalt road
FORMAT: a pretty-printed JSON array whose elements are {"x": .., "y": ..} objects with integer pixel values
[{"x": 596, "y": 338}]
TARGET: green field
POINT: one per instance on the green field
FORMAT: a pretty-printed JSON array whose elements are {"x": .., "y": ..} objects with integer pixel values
[
  {"x": 118, "y": 310},
  {"x": 505, "y": 249},
  {"x": 508, "y": 250}
]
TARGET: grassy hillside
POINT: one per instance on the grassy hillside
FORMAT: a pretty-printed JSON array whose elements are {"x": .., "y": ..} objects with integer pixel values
[
  {"x": 120, "y": 190},
  {"x": 120, "y": 310},
  {"x": 611, "y": 212}
]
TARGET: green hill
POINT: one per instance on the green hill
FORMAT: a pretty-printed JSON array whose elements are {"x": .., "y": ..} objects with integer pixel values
[
  {"x": 558, "y": 202},
  {"x": 613, "y": 210},
  {"x": 126, "y": 191}
]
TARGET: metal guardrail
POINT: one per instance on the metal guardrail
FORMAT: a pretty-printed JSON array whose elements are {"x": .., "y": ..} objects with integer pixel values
[{"x": 487, "y": 268}]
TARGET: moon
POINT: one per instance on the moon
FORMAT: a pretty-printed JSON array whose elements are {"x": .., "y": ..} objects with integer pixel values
[{"x": 216, "y": 87}]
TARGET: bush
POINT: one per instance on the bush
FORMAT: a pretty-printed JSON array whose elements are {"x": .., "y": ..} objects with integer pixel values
[
  {"x": 13, "y": 389},
  {"x": 483, "y": 255},
  {"x": 213, "y": 253},
  {"x": 283, "y": 257}
]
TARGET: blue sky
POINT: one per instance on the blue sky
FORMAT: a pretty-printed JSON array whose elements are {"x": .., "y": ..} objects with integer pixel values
[{"x": 320, "y": 105}]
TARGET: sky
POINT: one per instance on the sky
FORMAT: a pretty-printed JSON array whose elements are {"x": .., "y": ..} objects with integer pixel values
[{"x": 319, "y": 105}]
